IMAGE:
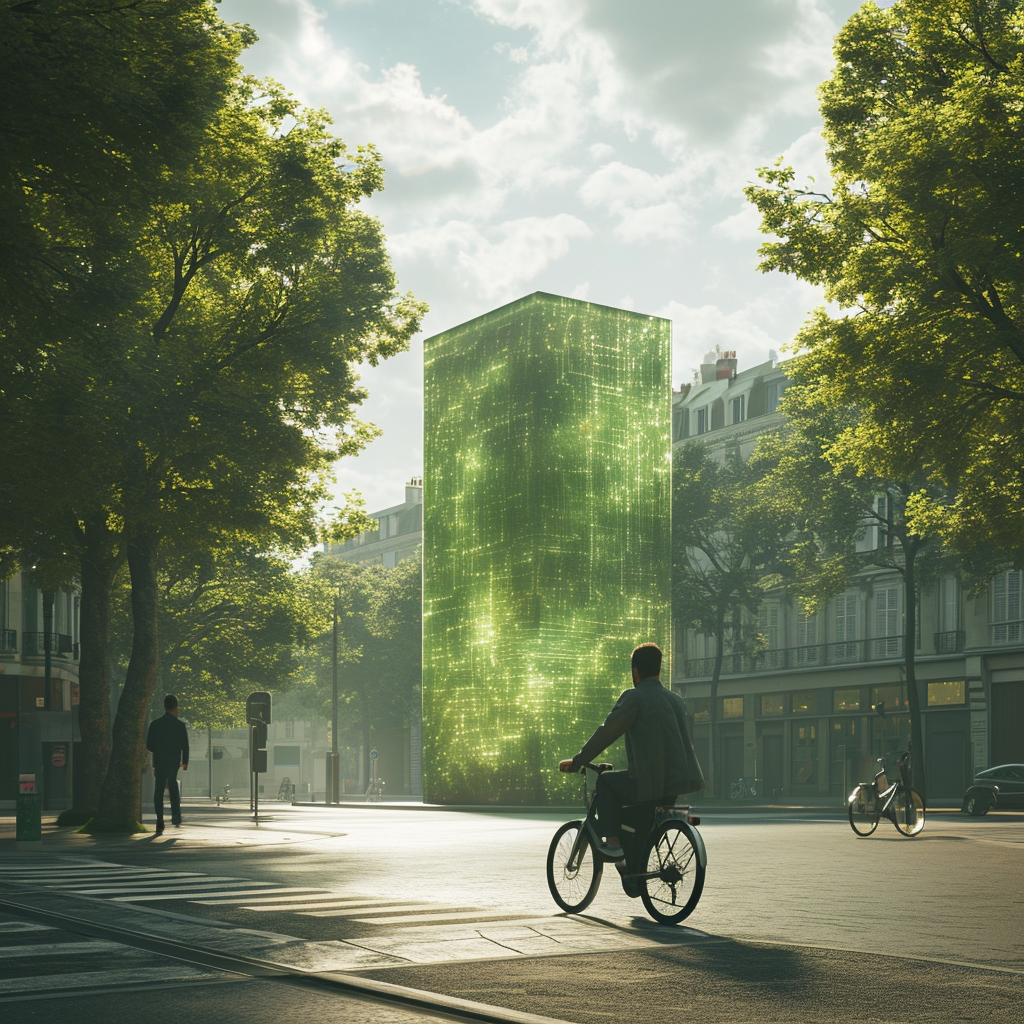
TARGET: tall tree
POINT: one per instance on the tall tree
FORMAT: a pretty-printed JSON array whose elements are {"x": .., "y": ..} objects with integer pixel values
[
  {"x": 917, "y": 242},
  {"x": 727, "y": 543}
]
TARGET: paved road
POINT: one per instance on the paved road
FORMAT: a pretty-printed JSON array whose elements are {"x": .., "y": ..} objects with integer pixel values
[{"x": 794, "y": 910}]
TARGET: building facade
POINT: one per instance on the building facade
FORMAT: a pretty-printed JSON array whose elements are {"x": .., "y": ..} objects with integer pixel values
[
  {"x": 397, "y": 536},
  {"x": 798, "y": 714},
  {"x": 546, "y": 538},
  {"x": 39, "y": 639}
]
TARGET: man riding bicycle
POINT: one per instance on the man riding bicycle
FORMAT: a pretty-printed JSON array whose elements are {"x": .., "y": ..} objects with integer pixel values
[{"x": 660, "y": 756}]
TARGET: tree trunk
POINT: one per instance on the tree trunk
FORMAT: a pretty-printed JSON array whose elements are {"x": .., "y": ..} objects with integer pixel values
[
  {"x": 98, "y": 566},
  {"x": 119, "y": 799},
  {"x": 911, "y": 548}
]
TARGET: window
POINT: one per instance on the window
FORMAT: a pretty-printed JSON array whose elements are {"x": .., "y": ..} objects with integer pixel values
[
  {"x": 954, "y": 692},
  {"x": 773, "y": 704},
  {"x": 775, "y": 392},
  {"x": 846, "y": 627},
  {"x": 732, "y": 707},
  {"x": 949, "y": 604},
  {"x": 805, "y": 703},
  {"x": 286, "y": 757},
  {"x": 887, "y": 623},
  {"x": 703, "y": 421},
  {"x": 805, "y": 753},
  {"x": 1007, "y": 608},
  {"x": 807, "y": 639},
  {"x": 892, "y": 695},
  {"x": 846, "y": 700},
  {"x": 699, "y": 707},
  {"x": 768, "y": 627},
  {"x": 738, "y": 409}
]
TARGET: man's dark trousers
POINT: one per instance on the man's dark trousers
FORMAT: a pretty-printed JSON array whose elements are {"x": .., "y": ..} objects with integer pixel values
[{"x": 166, "y": 777}]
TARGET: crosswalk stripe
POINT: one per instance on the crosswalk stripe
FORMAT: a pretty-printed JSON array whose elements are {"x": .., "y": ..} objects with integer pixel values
[
  {"x": 174, "y": 883},
  {"x": 59, "y": 949},
  {"x": 302, "y": 908},
  {"x": 24, "y": 926},
  {"x": 385, "y": 909},
  {"x": 192, "y": 897},
  {"x": 272, "y": 894},
  {"x": 415, "y": 918},
  {"x": 103, "y": 979}
]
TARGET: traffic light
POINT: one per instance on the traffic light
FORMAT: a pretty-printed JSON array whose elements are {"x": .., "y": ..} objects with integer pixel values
[{"x": 257, "y": 708}]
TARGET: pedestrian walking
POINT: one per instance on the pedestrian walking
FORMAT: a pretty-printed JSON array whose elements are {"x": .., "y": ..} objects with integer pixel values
[{"x": 167, "y": 741}]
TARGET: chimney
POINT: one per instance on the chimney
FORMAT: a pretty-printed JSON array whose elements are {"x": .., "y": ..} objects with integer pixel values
[
  {"x": 707, "y": 368},
  {"x": 725, "y": 367},
  {"x": 414, "y": 491}
]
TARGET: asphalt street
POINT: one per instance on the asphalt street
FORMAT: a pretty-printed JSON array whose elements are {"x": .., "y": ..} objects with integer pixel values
[{"x": 800, "y": 920}]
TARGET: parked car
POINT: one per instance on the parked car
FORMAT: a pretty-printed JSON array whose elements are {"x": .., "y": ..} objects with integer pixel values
[{"x": 995, "y": 787}]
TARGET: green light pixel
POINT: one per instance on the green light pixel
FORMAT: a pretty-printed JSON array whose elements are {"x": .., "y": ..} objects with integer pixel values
[{"x": 546, "y": 537}]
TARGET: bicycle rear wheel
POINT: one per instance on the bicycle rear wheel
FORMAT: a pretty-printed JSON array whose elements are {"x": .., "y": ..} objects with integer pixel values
[
  {"x": 863, "y": 819},
  {"x": 573, "y": 881},
  {"x": 908, "y": 812},
  {"x": 675, "y": 873}
]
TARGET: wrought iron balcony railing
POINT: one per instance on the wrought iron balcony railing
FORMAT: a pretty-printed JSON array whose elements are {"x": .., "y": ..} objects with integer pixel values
[
  {"x": 949, "y": 642},
  {"x": 845, "y": 652},
  {"x": 8, "y": 641},
  {"x": 35, "y": 645}
]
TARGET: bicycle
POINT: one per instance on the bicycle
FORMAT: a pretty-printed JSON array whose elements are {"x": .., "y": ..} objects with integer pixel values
[
  {"x": 672, "y": 860},
  {"x": 224, "y": 795},
  {"x": 898, "y": 802},
  {"x": 375, "y": 791},
  {"x": 745, "y": 788}
]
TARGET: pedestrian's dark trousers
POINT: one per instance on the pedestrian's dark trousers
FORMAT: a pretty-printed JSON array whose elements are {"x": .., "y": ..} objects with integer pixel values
[
  {"x": 166, "y": 778},
  {"x": 614, "y": 790}
]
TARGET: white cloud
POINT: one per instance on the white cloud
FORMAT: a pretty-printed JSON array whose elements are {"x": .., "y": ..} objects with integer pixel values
[{"x": 497, "y": 262}]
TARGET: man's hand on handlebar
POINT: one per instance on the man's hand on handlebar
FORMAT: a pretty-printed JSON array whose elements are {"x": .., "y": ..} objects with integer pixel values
[{"x": 566, "y": 766}]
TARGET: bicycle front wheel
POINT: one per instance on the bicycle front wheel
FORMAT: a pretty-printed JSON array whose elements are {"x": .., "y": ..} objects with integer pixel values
[
  {"x": 908, "y": 812},
  {"x": 863, "y": 819},
  {"x": 574, "y": 873},
  {"x": 673, "y": 878}
]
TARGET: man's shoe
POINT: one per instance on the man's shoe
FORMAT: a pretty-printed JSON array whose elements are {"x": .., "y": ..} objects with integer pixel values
[
  {"x": 630, "y": 884},
  {"x": 175, "y": 822},
  {"x": 160, "y": 829}
]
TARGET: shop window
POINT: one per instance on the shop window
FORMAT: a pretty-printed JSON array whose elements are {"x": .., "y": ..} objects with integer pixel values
[
  {"x": 773, "y": 704},
  {"x": 805, "y": 754},
  {"x": 286, "y": 757},
  {"x": 732, "y": 707},
  {"x": 893, "y": 696},
  {"x": 846, "y": 700},
  {"x": 954, "y": 692},
  {"x": 699, "y": 707},
  {"x": 805, "y": 703}
]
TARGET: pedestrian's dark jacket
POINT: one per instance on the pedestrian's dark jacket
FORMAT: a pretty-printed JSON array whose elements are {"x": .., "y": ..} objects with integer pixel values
[
  {"x": 167, "y": 740},
  {"x": 658, "y": 747}
]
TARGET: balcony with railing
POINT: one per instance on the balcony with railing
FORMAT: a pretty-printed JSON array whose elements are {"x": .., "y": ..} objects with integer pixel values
[
  {"x": 847, "y": 652},
  {"x": 949, "y": 642},
  {"x": 8, "y": 641},
  {"x": 35, "y": 645}
]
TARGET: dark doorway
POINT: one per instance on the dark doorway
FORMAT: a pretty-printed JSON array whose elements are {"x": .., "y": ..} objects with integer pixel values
[
  {"x": 1007, "y": 723},
  {"x": 732, "y": 762},
  {"x": 771, "y": 768},
  {"x": 947, "y": 764}
]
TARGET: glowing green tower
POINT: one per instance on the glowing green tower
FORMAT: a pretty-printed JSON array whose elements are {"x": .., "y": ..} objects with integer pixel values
[{"x": 546, "y": 537}]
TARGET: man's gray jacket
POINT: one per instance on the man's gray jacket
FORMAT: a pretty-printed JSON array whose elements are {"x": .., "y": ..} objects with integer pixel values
[{"x": 658, "y": 747}]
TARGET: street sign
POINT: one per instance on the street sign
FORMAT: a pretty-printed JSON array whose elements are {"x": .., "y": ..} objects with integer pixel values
[
  {"x": 26, "y": 783},
  {"x": 373, "y": 754},
  {"x": 257, "y": 708},
  {"x": 59, "y": 757}
]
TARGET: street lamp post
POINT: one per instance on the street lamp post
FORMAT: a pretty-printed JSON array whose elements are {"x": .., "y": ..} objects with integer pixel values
[{"x": 335, "y": 773}]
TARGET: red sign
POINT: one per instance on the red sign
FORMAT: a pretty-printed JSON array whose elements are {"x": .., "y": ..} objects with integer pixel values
[{"x": 59, "y": 757}]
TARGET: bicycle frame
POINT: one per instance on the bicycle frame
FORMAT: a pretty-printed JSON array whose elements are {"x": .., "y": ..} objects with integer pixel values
[
  {"x": 660, "y": 816},
  {"x": 884, "y": 799}
]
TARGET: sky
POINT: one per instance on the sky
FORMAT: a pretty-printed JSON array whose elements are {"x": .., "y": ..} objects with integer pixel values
[{"x": 590, "y": 148}]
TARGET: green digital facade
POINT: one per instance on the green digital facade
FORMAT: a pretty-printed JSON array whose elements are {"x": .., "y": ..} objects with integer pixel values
[{"x": 546, "y": 538}]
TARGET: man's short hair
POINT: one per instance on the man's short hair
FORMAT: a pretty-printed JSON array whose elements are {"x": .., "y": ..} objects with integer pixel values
[
  {"x": 170, "y": 702},
  {"x": 647, "y": 660}
]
